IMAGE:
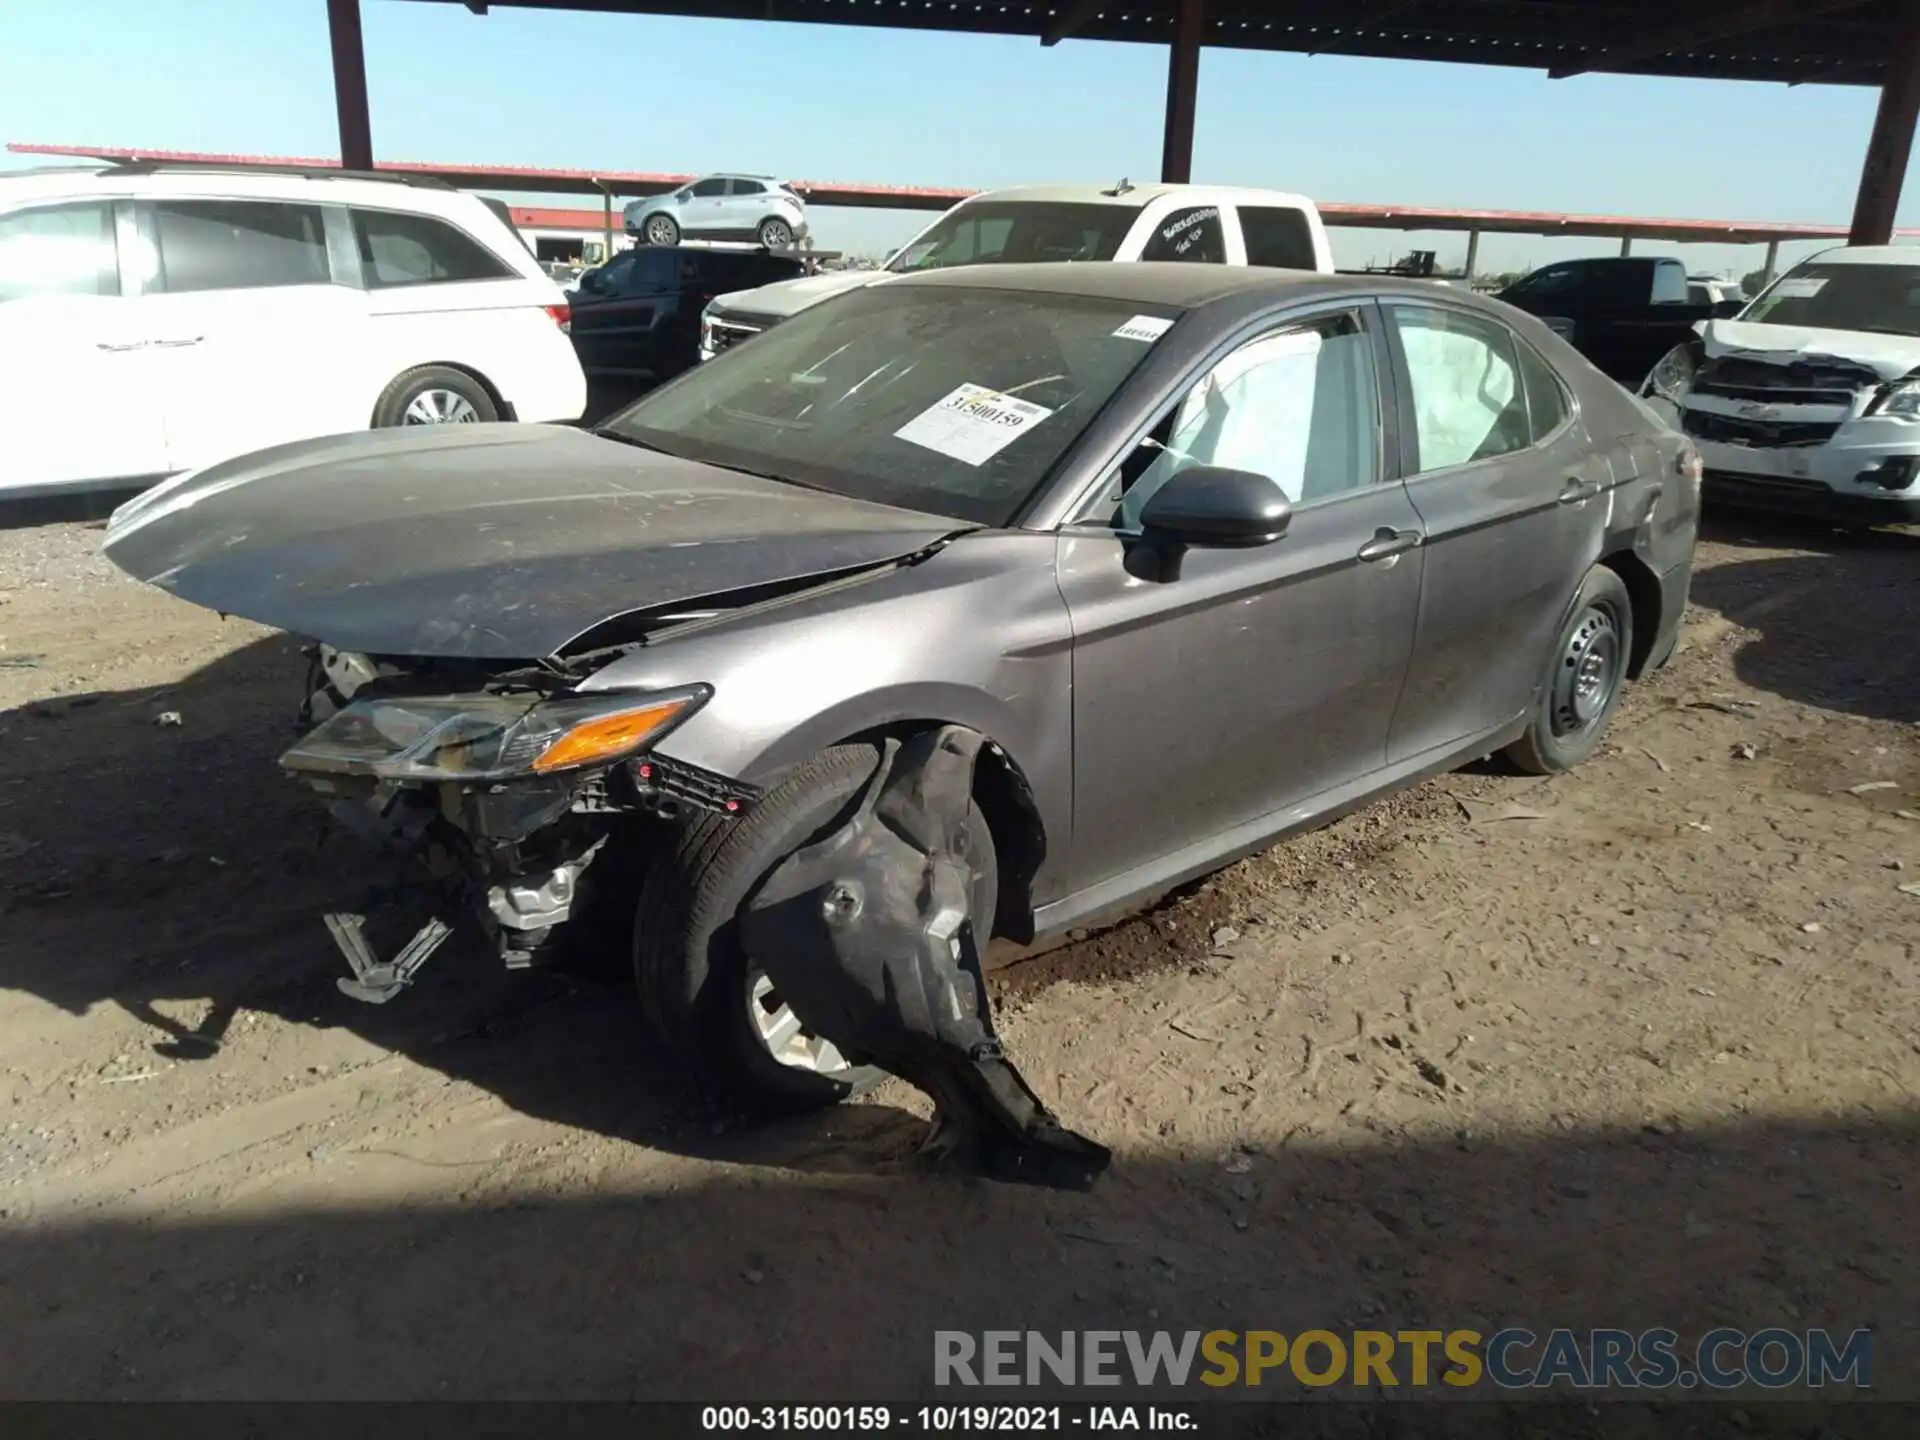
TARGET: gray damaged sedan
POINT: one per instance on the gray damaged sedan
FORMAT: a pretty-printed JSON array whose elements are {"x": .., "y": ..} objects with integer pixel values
[{"x": 1068, "y": 583}]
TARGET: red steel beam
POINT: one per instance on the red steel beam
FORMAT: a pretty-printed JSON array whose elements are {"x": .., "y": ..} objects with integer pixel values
[
  {"x": 1183, "y": 91},
  {"x": 1885, "y": 168},
  {"x": 350, "y": 84}
]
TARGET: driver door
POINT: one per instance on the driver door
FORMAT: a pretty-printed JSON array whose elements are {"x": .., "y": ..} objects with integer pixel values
[{"x": 1216, "y": 695}]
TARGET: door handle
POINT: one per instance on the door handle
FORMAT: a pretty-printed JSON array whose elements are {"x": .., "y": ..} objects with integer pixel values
[
  {"x": 1578, "y": 491},
  {"x": 128, "y": 345},
  {"x": 177, "y": 344},
  {"x": 1386, "y": 543}
]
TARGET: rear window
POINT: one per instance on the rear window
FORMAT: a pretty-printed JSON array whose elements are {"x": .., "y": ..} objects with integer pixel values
[
  {"x": 61, "y": 250},
  {"x": 1192, "y": 235},
  {"x": 1277, "y": 236},
  {"x": 400, "y": 249},
  {"x": 239, "y": 245},
  {"x": 723, "y": 272},
  {"x": 1011, "y": 232}
]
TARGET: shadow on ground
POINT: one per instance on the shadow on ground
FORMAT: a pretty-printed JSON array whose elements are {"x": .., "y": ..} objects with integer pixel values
[
  {"x": 1833, "y": 625},
  {"x": 749, "y": 1286}
]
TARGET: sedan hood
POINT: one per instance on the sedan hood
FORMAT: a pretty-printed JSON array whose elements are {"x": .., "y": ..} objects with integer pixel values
[
  {"x": 485, "y": 542},
  {"x": 1891, "y": 357},
  {"x": 784, "y": 298}
]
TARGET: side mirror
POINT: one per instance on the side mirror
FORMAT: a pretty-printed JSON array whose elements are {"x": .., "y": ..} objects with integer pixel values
[
  {"x": 593, "y": 282},
  {"x": 681, "y": 198},
  {"x": 1209, "y": 505}
]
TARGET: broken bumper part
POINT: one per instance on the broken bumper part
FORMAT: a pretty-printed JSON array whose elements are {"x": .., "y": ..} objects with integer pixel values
[{"x": 867, "y": 936}]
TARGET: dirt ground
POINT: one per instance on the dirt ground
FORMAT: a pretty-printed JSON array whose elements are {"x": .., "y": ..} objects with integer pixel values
[{"x": 1633, "y": 1047}]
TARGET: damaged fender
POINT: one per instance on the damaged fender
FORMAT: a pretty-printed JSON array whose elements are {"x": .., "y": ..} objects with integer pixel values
[{"x": 866, "y": 934}]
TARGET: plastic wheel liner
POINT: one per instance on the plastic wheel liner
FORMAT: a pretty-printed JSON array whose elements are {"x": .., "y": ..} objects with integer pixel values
[{"x": 866, "y": 934}]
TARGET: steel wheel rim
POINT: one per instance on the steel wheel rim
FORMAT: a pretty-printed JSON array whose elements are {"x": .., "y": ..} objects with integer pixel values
[
  {"x": 660, "y": 231},
  {"x": 784, "y": 1038},
  {"x": 775, "y": 232},
  {"x": 440, "y": 407},
  {"x": 1587, "y": 677}
]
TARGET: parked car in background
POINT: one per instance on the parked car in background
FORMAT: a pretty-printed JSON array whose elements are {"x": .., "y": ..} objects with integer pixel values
[
  {"x": 1716, "y": 292},
  {"x": 721, "y": 207},
  {"x": 1195, "y": 224},
  {"x": 159, "y": 318},
  {"x": 1622, "y": 312},
  {"x": 639, "y": 316},
  {"x": 1206, "y": 554},
  {"x": 1808, "y": 400}
]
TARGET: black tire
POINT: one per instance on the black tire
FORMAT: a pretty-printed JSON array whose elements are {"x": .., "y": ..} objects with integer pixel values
[
  {"x": 419, "y": 388},
  {"x": 660, "y": 230},
  {"x": 692, "y": 975},
  {"x": 1586, "y": 675},
  {"x": 775, "y": 233}
]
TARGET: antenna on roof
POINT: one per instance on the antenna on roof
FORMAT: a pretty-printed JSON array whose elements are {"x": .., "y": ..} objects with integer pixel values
[{"x": 1122, "y": 188}]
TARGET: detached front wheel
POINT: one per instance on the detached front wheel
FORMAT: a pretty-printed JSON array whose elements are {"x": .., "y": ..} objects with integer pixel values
[
  {"x": 706, "y": 1001},
  {"x": 1586, "y": 675}
]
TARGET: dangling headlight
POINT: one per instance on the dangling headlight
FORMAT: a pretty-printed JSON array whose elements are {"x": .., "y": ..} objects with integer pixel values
[{"x": 1673, "y": 376}]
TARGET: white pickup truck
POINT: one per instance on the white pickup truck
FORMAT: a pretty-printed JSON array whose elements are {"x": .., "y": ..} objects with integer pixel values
[{"x": 1204, "y": 224}]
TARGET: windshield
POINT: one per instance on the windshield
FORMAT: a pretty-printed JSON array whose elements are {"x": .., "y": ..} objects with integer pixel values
[
  {"x": 956, "y": 402},
  {"x": 1883, "y": 298},
  {"x": 1013, "y": 231}
]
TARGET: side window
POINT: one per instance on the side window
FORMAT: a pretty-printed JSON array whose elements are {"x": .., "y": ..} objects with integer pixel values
[
  {"x": 1553, "y": 280},
  {"x": 1547, "y": 404},
  {"x": 1277, "y": 236},
  {"x": 1301, "y": 406},
  {"x": 61, "y": 250},
  {"x": 397, "y": 249},
  {"x": 1670, "y": 283},
  {"x": 746, "y": 187},
  {"x": 239, "y": 245},
  {"x": 1193, "y": 234},
  {"x": 708, "y": 189},
  {"x": 1468, "y": 402},
  {"x": 616, "y": 275}
]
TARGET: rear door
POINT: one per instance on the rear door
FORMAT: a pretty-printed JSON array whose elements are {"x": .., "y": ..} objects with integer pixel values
[
  {"x": 1214, "y": 695},
  {"x": 616, "y": 328},
  {"x": 77, "y": 398},
  {"x": 254, "y": 343},
  {"x": 1513, "y": 499}
]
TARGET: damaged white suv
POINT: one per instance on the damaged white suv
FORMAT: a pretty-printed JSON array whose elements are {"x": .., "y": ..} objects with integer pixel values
[{"x": 1808, "y": 400}]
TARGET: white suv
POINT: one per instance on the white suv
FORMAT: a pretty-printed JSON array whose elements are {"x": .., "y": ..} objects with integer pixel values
[
  {"x": 1191, "y": 224},
  {"x": 756, "y": 208},
  {"x": 159, "y": 318}
]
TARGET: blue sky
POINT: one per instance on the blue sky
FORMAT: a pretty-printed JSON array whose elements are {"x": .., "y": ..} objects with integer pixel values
[{"x": 842, "y": 103}]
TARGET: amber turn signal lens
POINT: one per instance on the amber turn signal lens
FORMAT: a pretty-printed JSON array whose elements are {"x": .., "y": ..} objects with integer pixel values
[{"x": 606, "y": 737}]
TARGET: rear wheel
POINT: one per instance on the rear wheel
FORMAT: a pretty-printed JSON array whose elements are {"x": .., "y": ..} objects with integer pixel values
[
  {"x": 661, "y": 230},
  {"x": 1584, "y": 681},
  {"x": 434, "y": 395},
  {"x": 707, "y": 1003},
  {"x": 775, "y": 233}
]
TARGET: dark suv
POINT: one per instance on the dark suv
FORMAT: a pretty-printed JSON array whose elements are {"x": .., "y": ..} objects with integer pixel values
[{"x": 638, "y": 316}]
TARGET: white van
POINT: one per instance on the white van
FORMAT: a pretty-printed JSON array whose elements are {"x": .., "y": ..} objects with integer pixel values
[
  {"x": 157, "y": 318},
  {"x": 1195, "y": 224}
]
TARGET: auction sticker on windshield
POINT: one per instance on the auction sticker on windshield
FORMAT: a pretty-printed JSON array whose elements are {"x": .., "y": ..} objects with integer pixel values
[
  {"x": 1144, "y": 327},
  {"x": 972, "y": 424}
]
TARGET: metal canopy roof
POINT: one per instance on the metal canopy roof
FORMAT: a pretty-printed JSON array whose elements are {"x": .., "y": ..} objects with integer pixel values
[
  {"x": 536, "y": 180},
  {"x": 1836, "y": 42}
]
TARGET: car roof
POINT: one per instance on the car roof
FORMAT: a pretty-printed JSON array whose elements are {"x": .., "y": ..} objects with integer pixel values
[
  {"x": 1139, "y": 196},
  {"x": 107, "y": 181},
  {"x": 1869, "y": 255},
  {"x": 1169, "y": 282}
]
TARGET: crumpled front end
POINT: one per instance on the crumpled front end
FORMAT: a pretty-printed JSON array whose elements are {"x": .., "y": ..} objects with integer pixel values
[
  {"x": 1819, "y": 423},
  {"x": 502, "y": 783}
]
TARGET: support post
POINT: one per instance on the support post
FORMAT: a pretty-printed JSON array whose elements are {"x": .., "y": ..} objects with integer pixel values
[
  {"x": 1626, "y": 244},
  {"x": 1473, "y": 254},
  {"x": 1183, "y": 92},
  {"x": 1772, "y": 267},
  {"x": 1885, "y": 167},
  {"x": 606, "y": 222},
  {"x": 350, "y": 84}
]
